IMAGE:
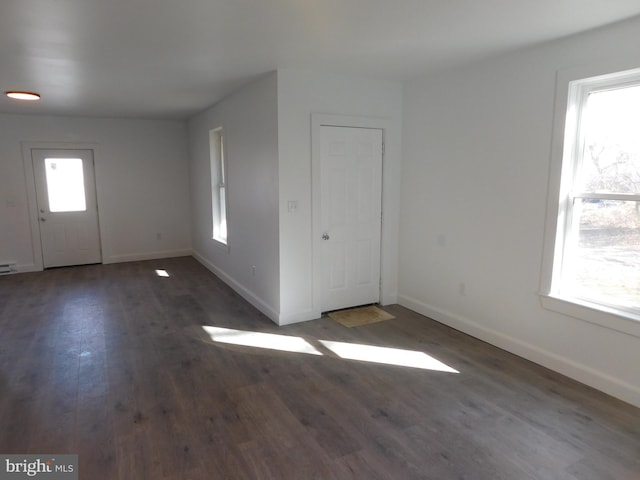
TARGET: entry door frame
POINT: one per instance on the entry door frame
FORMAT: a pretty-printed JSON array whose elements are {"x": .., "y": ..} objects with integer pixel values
[
  {"x": 325, "y": 120},
  {"x": 34, "y": 223}
]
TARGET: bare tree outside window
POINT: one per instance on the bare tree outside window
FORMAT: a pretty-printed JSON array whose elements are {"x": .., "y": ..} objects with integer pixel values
[{"x": 603, "y": 255}]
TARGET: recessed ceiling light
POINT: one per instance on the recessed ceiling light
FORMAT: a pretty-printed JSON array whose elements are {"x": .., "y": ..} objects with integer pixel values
[{"x": 23, "y": 95}]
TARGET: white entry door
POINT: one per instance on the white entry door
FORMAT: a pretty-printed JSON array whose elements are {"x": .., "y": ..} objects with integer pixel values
[
  {"x": 350, "y": 219},
  {"x": 67, "y": 207}
]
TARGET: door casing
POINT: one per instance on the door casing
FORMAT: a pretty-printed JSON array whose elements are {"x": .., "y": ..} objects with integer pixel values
[
  {"x": 34, "y": 223},
  {"x": 80, "y": 229}
]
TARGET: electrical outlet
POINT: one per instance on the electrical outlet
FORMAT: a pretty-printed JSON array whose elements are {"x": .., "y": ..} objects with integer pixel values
[{"x": 158, "y": 236}]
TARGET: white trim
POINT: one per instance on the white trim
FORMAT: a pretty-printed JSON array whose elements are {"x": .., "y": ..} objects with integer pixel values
[
  {"x": 589, "y": 376},
  {"x": 608, "y": 317},
  {"x": 270, "y": 312},
  {"x": 218, "y": 173},
  {"x": 560, "y": 185},
  {"x": 28, "y": 267},
  {"x": 135, "y": 257},
  {"x": 220, "y": 245},
  {"x": 388, "y": 298},
  {"x": 622, "y": 197},
  {"x": 319, "y": 120},
  {"x": 240, "y": 289},
  {"x": 298, "y": 317},
  {"x": 32, "y": 204}
]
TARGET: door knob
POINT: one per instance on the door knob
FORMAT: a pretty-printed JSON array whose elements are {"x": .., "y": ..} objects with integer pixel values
[
  {"x": 325, "y": 236},
  {"x": 42, "y": 219}
]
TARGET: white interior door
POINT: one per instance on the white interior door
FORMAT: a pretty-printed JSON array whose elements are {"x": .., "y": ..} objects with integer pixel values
[
  {"x": 350, "y": 219},
  {"x": 67, "y": 207}
]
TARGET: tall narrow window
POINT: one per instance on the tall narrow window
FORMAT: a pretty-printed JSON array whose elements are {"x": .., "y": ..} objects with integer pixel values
[
  {"x": 597, "y": 256},
  {"x": 218, "y": 185}
]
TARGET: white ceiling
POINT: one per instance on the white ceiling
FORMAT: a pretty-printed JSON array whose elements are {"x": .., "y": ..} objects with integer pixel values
[{"x": 172, "y": 58}]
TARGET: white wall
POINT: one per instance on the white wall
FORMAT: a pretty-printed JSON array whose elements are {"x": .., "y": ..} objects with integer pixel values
[
  {"x": 301, "y": 93},
  {"x": 475, "y": 181},
  {"x": 267, "y": 127},
  {"x": 249, "y": 119},
  {"x": 141, "y": 179}
]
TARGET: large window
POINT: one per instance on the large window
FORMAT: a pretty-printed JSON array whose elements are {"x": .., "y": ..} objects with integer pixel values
[
  {"x": 218, "y": 185},
  {"x": 597, "y": 244}
]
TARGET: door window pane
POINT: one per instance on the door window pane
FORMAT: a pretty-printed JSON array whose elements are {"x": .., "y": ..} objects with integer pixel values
[{"x": 65, "y": 184}]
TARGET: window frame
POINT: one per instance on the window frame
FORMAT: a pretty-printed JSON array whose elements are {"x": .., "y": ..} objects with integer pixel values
[
  {"x": 572, "y": 89},
  {"x": 219, "y": 186}
]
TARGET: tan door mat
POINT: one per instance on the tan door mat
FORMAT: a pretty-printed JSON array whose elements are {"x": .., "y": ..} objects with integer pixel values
[{"x": 355, "y": 317}]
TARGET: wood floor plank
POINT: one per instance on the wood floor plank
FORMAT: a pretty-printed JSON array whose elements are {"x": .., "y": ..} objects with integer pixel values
[{"x": 112, "y": 362}]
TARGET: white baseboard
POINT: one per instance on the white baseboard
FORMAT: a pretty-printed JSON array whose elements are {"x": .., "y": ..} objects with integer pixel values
[
  {"x": 389, "y": 298},
  {"x": 298, "y": 317},
  {"x": 244, "y": 292},
  {"x": 589, "y": 376},
  {"x": 135, "y": 257},
  {"x": 28, "y": 267}
]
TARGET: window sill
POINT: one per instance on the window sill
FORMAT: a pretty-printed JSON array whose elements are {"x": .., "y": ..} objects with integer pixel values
[
  {"x": 619, "y": 320},
  {"x": 220, "y": 244}
]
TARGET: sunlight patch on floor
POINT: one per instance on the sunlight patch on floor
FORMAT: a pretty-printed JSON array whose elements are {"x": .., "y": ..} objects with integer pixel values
[
  {"x": 386, "y": 355},
  {"x": 261, "y": 340},
  {"x": 347, "y": 351},
  {"x": 162, "y": 273}
]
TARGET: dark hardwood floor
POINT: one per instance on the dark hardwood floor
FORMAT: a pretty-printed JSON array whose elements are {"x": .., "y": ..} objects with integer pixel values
[{"x": 111, "y": 362}]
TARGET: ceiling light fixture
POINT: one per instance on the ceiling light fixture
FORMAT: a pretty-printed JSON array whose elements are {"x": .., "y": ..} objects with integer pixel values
[{"x": 23, "y": 95}]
